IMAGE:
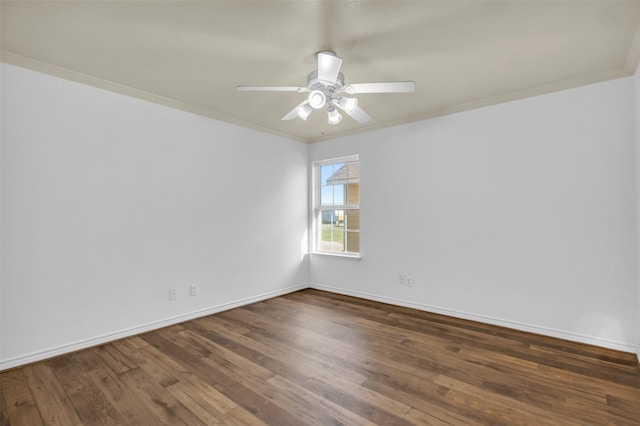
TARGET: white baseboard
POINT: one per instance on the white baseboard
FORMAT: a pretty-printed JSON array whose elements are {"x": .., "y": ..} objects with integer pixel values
[
  {"x": 109, "y": 337},
  {"x": 99, "y": 340},
  {"x": 574, "y": 337}
]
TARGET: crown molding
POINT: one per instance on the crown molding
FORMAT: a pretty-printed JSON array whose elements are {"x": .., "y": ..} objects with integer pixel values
[
  {"x": 544, "y": 89},
  {"x": 78, "y": 77},
  {"x": 67, "y": 74}
]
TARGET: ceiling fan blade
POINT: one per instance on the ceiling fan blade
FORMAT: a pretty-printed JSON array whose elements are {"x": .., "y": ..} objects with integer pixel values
[
  {"x": 294, "y": 112},
  {"x": 388, "y": 87},
  {"x": 272, "y": 89},
  {"x": 360, "y": 115},
  {"x": 328, "y": 67}
]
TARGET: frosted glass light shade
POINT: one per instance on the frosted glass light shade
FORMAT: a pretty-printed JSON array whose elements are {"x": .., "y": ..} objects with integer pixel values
[
  {"x": 334, "y": 117},
  {"x": 348, "y": 105},
  {"x": 317, "y": 99},
  {"x": 304, "y": 111}
]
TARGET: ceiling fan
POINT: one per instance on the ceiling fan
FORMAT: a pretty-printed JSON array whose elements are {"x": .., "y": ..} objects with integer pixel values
[{"x": 326, "y": 87}]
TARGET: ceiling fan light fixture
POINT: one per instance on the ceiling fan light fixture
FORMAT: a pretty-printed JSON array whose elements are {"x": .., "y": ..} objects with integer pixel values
[
  {"x": 317, "y": 99},
  {"x": 325, "y": 86},
  {"x": 334, "y": 117},
  {"x": 348, "y": 105},
  {"x": 304, "y": 111}
]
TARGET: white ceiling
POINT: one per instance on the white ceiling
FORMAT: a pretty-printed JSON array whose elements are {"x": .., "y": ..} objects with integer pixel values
[{"x": 192, "y": 55}]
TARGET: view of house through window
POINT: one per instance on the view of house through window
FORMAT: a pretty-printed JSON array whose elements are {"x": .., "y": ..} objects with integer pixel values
[{"x": 338, "y": 206}]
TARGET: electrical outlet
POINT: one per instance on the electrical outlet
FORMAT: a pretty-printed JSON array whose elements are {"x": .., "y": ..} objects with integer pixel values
[
  {"x": 173, "y": 294},
  {"x": 405, "y": 280},
  {"x": 193, "y": 289}
]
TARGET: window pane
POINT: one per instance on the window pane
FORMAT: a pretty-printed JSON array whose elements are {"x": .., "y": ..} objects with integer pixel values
[
  {"x": 325, "y": 173},
  {"x": 326, "y": 195},
  {"x": 327, "y": 217},
  {"x": 353, "y": 242},
  {"x": 332, "y": 195},
  {"x": 339, "y": 175},
  {"x": 353, "y": 193},
  {"x": 331, "y": 232},
  {"x": 353, "y": 220},
  {"x": 333, "y": 179},
  {"x": 354, "y": 170}
]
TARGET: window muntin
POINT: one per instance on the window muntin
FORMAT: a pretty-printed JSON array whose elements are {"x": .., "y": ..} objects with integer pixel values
[{"x": 337, "y": 206}]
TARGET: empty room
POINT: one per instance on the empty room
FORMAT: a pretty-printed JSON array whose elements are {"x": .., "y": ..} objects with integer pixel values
[{"x": 319, "y": 212}]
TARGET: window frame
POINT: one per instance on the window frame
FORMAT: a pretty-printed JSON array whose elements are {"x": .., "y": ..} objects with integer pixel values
[{"x": 317, "y": 208}]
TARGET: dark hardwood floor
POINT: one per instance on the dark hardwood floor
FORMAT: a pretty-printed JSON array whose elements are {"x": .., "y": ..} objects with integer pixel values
[{"x": 319, "y": 358}]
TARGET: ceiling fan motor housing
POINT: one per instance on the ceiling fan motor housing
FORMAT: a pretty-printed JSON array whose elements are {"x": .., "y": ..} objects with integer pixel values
[{"x": 313, "y": 82}]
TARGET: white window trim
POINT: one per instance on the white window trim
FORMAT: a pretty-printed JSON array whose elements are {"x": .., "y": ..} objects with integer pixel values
[
  {"x": 315, "y": 207},
  {"x": 346, "y": 255}
]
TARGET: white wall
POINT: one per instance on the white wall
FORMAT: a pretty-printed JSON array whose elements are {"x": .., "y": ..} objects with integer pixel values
[
  {"x": 108, "y": 201},
  {"x": 520, "y": 214}
]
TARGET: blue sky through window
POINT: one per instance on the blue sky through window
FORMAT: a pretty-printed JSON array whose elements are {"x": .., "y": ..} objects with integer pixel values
[{"x": 331, "y": 194}]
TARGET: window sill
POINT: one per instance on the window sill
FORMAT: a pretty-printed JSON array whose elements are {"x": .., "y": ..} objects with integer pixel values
[{"x": 355, "y": 256}]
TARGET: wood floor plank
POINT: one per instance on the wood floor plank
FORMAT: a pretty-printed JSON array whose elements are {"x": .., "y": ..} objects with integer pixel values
[
  {"x": 19, "y": 400},
  {"x": 310, "y": 346},
  {"x": 158, "y": 400},
  {"x": 53, "y": 404},
  {"x": 507, "y": 410},
  {"x": 128, "y": 405},
  {"x": 92, "y": 406},
  {"x": 429, "y": 397},
  {"x": 241, "y": 417},
  {"x": 206, "y": 396},
  {"x": 312, "y": 357},
  {"x": 505, "y": 375},
  {"x": 417, "y": 416},
  {"x": 243, "y": 395},
  {"x": 204, "y": 413},
  {"x": 114, "y": 358},
  {"x": 279, "y": 358},
  {"x": 4, "y": 415},
  {"x": 300, "y": 394}
]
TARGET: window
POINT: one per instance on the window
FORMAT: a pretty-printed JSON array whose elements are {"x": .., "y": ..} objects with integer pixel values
[{"x": 337, "y": 206}]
